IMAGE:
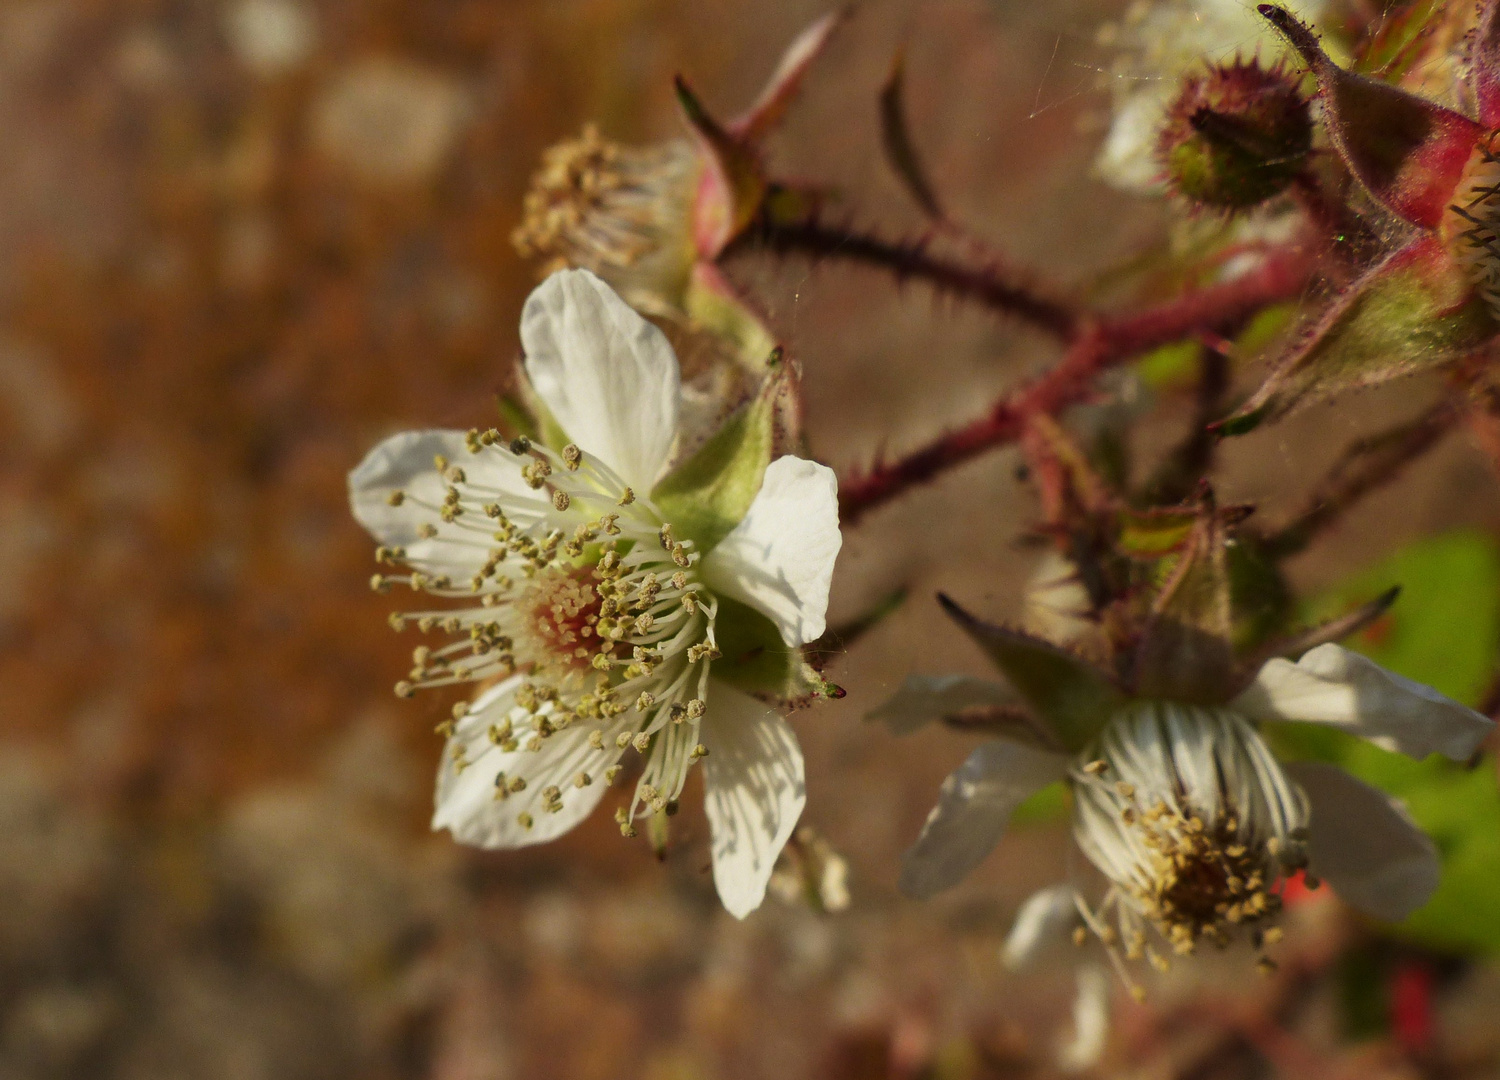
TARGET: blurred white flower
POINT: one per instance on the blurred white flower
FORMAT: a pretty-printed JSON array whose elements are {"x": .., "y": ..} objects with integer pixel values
[
  {"x": 1191, "y": 819},
  {"x": 389, "y": 121},
  {"x": 592, "y": 624},
  {"x": 271, "y": 37}
]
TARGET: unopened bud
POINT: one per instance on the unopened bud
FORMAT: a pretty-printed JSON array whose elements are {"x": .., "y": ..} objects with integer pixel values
[{"x": 1236, "y": 135}]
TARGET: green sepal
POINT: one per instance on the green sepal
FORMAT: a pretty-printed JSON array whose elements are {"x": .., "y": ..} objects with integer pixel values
[
  {"x": 1154, "y": 533},
  {"x": 516, "y": 418},
  {"x": 1412, "y": 312},
  {"x": 1074, "y": 698},
  {"x": 755, "y": 659},
  {"x": 543, "y": 426},
  {"x": 707, "y": 495},
  {"x": 1187, "y": 650},
  {"x": 713, "y": 305}
]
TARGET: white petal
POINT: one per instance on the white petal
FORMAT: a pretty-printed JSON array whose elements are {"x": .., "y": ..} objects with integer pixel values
[
  {"x": 609, "y": 377},
  {"x": 1331, "y": 685},
  {"x": 1090, "y": 1021},
  {"x": 404, "y": 463},
  {"x": 924, "y": 698},
  {"x": 779, "y": 558},
  {"x": 1364, "y": 845},
  {"x": 466, "y": 803},
  {"x": 1046, "y": 919},
  {"x": 972, "y": 811},
  {"x": 753, "y": 793}
]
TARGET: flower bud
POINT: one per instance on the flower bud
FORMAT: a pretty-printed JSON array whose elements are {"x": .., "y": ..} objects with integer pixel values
[{"x": 1236, "y": 136}]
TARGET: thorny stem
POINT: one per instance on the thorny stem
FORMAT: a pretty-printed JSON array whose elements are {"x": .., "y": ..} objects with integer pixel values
[
  {"x": 1365, "y": 465},
  {"x": 1102, "y": 343},
  {"x": 990, "y": 283}
]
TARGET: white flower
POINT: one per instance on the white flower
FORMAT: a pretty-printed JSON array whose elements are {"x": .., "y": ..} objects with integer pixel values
[
  {"x": 1188, "y": 815},
  {"x": 594, "y": 624},
  {"x": 1158, "y": 44}
]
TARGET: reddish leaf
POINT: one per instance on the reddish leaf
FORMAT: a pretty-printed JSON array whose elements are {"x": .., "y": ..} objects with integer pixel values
[
  {"x": 732, "y": 186},
  {"x": 1413, "y": 311},
  {"x": 1407, "y": 152},
  {"x": 782, "y": 88}
]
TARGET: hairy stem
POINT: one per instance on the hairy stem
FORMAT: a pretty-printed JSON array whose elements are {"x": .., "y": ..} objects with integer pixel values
[
  {"x": 1101, "y": 344},
  {"x": 1365, "y": 465},
  {"x": 990, "y": 283}
]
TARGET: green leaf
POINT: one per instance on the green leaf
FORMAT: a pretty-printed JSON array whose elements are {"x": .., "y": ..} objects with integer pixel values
[
  {"x": 1444, "y": 632},
  {"x": 1070, "y": 694},
  {"x": 707, "y": 495},
  {"x": 754, "y": 658},
  {"x": 1412, "y": 312},
  {"x": 1171, "y": 366},
  {"x": 1050, "y": 804}
]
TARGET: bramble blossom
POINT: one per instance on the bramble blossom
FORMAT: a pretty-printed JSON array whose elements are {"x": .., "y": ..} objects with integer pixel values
[
  {"x": 1182, "y": 806},
  {"x": 606, "y": 599}
]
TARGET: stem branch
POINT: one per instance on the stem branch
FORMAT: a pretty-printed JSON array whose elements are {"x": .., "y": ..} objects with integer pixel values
[{"x": 1100, "y": 344}]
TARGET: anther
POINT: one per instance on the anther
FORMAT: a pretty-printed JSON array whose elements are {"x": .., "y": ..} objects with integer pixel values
[
  {"x": 572, "y": 457},
  {"x": 561, "y": 500},
  {"x": 395, "y": 498}
]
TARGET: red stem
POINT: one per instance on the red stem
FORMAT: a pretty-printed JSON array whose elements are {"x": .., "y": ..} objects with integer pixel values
[{"x": 1099, "y": 345}]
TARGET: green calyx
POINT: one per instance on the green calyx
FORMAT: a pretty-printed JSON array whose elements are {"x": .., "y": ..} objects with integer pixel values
[{"x": 709, "y": 493}]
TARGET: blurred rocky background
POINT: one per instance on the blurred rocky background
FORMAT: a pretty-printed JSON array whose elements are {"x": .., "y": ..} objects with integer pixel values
[{"x": 240, "y": 241}]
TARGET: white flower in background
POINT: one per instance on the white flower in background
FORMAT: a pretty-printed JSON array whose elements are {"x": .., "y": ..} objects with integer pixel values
[
  {"x": 1158, "y": 43},
  {"x": 1185, "y": 811},
  {"x": 624, "y": 212},
  {"x": 591, "y": 615}
]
